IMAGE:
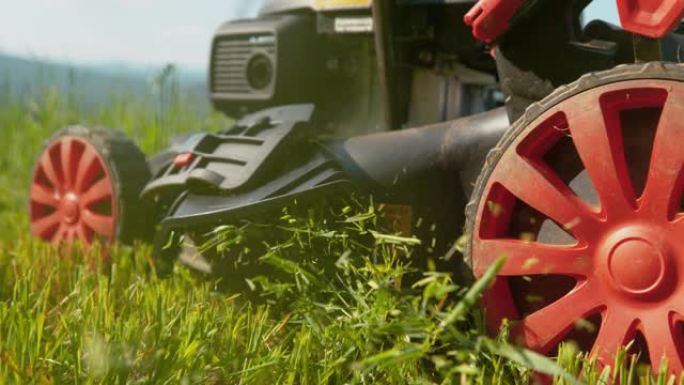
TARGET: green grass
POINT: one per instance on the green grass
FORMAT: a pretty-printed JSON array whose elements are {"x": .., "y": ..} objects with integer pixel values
[{"x": 318, "y": 295}]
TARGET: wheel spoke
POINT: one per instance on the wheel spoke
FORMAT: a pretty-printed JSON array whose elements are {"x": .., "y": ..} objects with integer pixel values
[
  {"x": 601, "y": 152},
  {"x": 44, "y": 225},
  {"x": 69, "y": 236},
  {"x": 48, "y": 168},
  {"x": 60, "y": 234},
  {"x": 540, "y": 188},
  {"x": 43, "y": 196},
  {"x": 664, "y": 183},
  {"x": 617, "y": 329},
  {"x": 532, "y": 258},
  {"x": 543, "y": 329},
  {"x": 85, "y": 166},
  {"x": 66, "y": 152},
  {"x": 678, "y": 218},
  {"x": 664, "y": 341},
  {"x": 82, "y": 233},
  {"x": 100, "y": 191},
  {"x": 101, "y": 224}
]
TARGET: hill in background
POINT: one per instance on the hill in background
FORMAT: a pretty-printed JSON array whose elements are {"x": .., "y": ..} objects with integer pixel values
[{"x": 93, "y": 86}]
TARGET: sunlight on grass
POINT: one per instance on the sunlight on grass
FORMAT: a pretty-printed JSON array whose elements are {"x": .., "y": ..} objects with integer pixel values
[{"x": 316, "y": 295}]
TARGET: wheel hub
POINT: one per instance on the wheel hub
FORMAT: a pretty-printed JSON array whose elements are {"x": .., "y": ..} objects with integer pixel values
[
  {"x": 636, "y": 266},
  {"x": 70, "y": 208},
  {"x": 637, "y": 261}
]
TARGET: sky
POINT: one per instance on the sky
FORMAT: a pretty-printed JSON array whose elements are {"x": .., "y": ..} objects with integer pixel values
[
  {"x": 135, "y": 32},
  {"x": 602, "y": 9}
]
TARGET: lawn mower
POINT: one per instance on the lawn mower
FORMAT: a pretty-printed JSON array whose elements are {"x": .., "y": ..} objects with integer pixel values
[{"x": 559, "y": 137}]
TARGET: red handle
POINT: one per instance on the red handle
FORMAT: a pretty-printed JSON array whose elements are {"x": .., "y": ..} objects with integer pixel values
[
  {"x": 653, "y": 18},
  {"x": 489, "y": 19}
]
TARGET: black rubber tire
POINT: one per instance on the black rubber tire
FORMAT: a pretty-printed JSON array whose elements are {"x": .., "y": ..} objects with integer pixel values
[
  {"x": 129, "y": 172},
  {"x": 654, "y": 70}
]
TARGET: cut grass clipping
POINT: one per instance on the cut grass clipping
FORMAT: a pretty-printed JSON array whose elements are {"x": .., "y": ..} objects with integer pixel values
[{"x": 314, "y": 295}]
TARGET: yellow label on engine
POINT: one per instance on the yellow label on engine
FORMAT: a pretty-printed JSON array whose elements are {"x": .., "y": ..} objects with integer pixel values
[{"x": 324, "y": 5}]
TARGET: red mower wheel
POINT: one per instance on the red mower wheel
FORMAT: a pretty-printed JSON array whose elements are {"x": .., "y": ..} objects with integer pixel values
[
  {"x": 85, "y": 187},
  {"x": 584, "y": 197}
]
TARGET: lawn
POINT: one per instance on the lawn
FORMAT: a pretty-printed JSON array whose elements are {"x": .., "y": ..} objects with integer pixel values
[{"x": 320, "y": 295}]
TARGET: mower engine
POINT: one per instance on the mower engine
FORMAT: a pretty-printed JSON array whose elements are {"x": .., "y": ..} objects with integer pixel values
[{"x": 326, "y": 56}]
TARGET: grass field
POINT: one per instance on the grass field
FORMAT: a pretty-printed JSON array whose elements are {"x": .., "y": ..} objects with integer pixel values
[{"x": 334, "y": 308}]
